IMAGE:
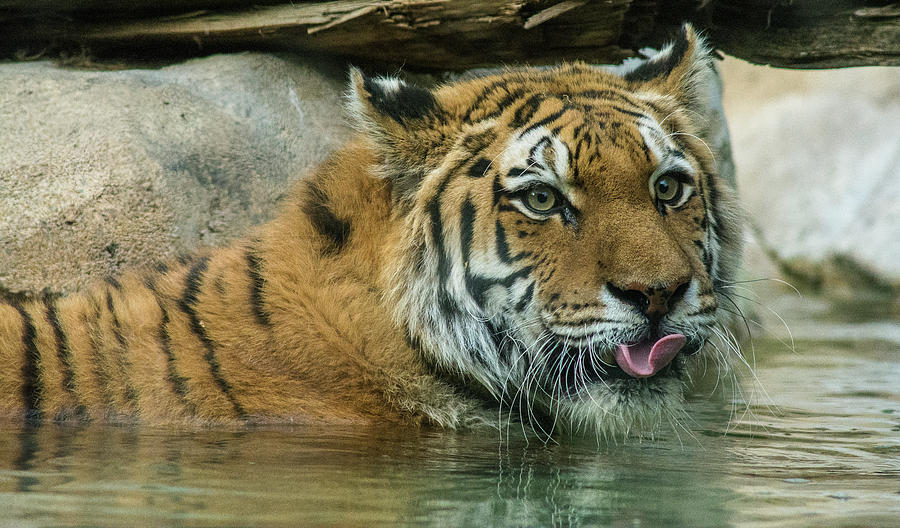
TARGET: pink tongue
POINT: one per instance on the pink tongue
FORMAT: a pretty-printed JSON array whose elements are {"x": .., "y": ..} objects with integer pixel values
[{"x": 644, "y": 359}]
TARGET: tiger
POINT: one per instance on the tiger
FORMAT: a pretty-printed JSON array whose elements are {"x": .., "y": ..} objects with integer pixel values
[{"x": 551, "y": 245}]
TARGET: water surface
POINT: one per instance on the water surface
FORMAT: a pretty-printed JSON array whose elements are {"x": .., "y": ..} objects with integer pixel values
[{"x": 819, "y": 446}]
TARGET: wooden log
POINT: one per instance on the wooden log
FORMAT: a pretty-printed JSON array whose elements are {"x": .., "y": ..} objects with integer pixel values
[
  {"x": 458, "y": 34},
  {"x": 808, "y": 33}
]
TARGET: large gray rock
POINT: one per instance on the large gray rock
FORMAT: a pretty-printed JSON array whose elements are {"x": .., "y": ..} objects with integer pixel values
[
  {"x": 101, "y": 171},
  {"x": 818, "y": 157}
]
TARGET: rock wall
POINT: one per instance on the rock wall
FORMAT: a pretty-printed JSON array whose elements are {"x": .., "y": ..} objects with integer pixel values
[
  {"x": 818, "y": 165},
  {"x": 105, "y": 170}
]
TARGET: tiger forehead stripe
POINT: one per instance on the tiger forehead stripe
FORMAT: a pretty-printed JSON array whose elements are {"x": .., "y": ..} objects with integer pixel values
[{"x": 537, "y": 155}]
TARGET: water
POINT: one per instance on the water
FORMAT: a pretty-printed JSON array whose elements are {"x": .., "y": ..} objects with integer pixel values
[{"x": 821, "y": 449}]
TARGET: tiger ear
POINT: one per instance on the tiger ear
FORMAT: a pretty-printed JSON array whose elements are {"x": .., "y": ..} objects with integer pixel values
[
  {"x": 388, "y": 102},
  {"x": 399, "y": 118},
  {"x": 683, "y": 69}
]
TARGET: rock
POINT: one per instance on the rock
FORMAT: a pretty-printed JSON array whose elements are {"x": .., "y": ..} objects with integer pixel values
[
  {"x": 105, "y": 170},
  {"x": 818, "y": 157}
]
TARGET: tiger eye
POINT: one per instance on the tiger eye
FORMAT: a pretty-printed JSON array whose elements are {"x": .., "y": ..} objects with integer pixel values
[
  {"x": 667, "y": 188},
  {"x": 541, "y": 198}
]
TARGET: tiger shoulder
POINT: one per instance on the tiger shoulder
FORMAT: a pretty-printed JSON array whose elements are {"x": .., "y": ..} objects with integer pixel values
[{"x": 551, "y": 246}]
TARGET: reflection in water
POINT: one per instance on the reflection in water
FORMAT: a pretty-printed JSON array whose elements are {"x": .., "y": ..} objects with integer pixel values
[
  {"x": 127, "y": 475},
  {"x": 823, "y": 450}
]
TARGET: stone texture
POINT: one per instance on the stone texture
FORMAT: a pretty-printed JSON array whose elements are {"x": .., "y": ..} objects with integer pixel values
[
  {"x": 818, "y": 157},
  {"x": 101, "y": 171}
]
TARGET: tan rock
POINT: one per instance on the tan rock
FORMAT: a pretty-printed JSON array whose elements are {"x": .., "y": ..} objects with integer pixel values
[
  {"x": 101, "y": 171},
  {"x": 818, "y": 155}
]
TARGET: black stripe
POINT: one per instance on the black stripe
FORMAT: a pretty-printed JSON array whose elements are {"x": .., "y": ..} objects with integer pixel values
[
  {"x": 437, "y": 231},
  {"x": 176, "y": 380},
  {"x": 116, "y": 328},
  {"x": 477, "y": 142},
  {"x": 503, "y": 246},
  {"x": 499, "y": 107},
  {"x": 476, "y": 285},
  {"x": 257, "y": 284},
  {"x": 335, "y": 231},
  {"x": 638, "y": 115},
  {"x": 29, "y": 447},
  {"x": 526, "y": 111},
  {"x": 575, "y": 158},
  {"x": 64, "y": 353},
  {"x": 486, "y": 92},
  {"x": 549, "y": 119},
  {"x": 705, "y": 254},
  {"x": 549, "y": 274},
  {"x": 123, "y": 362},
  {"x": 479, "y": 168},
  {"x": 187, "y": 303},
  {"x": 531, "y": 153},
  {"x": 609, "y": 95},
  {"x": 62, "y": 347},
  {"x": 466, "y": 228},
  {"x": 32, "y": 386},
  {"x": 497, "y": 189},
  {"x": 518, "y": 172},
  {"x": 502, "y": 344},
  {"x": 526, "y": 297}
]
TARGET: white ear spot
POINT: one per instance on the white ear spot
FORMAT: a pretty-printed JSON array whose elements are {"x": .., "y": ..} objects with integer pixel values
[
  {"x": 389, "y": 85},
  {"x": 374, "y": 99}
]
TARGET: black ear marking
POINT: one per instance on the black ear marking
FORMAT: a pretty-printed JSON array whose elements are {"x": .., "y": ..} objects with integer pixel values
[
  {"x": 397, "y": 99},
  {"x": 662, "y": 64}
]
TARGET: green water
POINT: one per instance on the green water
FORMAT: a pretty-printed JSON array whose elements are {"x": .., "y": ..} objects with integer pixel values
[{"x": 820, "y": 447}]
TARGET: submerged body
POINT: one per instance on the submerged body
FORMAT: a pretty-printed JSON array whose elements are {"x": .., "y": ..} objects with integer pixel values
[{"x": 549, "y": 244}]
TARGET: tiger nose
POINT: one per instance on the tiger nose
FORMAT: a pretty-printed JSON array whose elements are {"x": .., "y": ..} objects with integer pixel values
[{"x": 652, "y": 301}]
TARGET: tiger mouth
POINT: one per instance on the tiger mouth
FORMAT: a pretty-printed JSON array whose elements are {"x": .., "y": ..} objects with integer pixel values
[{"x": 587, "y": 366}]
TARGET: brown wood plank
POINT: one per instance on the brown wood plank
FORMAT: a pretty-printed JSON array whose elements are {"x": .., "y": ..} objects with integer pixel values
[{"x": 457, "y": 34}]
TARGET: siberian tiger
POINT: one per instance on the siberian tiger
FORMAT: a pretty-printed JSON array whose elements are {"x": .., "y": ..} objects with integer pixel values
[{"x": 550, "y": 244}]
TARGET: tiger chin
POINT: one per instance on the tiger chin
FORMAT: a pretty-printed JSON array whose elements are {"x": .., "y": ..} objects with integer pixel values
[{"x": 542, "y": 245}]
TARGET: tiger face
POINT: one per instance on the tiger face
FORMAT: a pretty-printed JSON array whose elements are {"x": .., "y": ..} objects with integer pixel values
[{"x": 565, "y": 235}]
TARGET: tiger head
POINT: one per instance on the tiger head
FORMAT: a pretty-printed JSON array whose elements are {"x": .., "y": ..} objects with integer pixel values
[{"x": 565, "y": 234}]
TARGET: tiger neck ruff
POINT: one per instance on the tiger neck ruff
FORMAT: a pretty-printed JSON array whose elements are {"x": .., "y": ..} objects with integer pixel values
[{"x": 546, "y": 245}]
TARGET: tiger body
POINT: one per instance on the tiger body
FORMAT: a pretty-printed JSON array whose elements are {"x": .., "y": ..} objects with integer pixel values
[
  {"x": 253, "y": 333},
  {"x": 551, "y": 244}
]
